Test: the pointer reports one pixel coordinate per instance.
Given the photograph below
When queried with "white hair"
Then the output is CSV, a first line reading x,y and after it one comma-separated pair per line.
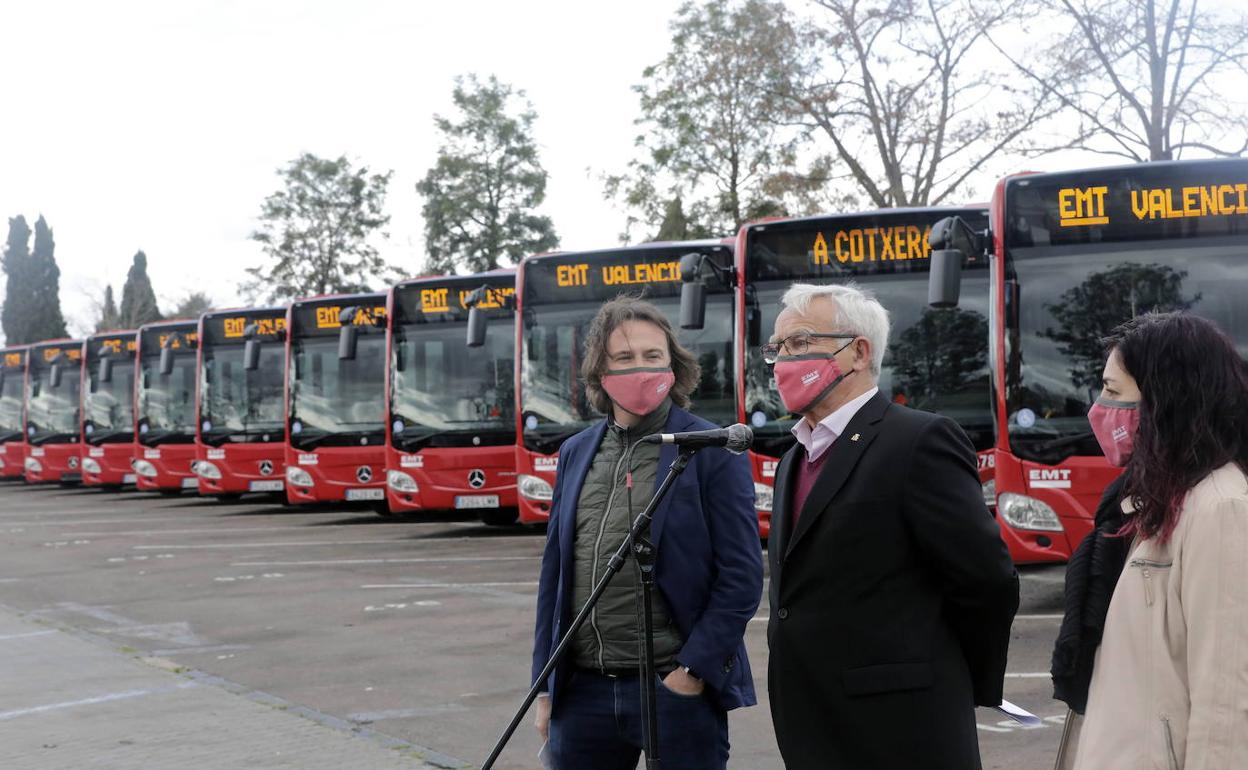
x,y
857,311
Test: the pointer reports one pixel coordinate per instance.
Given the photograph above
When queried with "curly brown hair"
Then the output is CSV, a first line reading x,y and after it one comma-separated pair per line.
x,y
629,307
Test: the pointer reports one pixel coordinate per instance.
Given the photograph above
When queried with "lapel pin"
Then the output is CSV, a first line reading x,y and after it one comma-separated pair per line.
x,y
854,437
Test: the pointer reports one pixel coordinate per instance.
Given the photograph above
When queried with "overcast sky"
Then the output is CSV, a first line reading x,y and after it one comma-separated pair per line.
x,y
158,125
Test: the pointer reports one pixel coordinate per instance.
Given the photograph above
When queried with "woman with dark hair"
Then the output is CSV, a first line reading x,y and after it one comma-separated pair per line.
x,y
1169,683
708,563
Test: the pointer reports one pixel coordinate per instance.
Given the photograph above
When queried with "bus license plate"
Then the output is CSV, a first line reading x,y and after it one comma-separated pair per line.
x,y
129,478
366,494
274,485
476,501
190,482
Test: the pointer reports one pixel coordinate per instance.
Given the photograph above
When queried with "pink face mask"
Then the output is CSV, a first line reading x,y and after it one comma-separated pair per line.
x,y
805,380
1114,423
640,390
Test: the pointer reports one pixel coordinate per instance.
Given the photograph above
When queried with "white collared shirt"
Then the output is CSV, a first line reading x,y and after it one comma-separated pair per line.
x,y
819,438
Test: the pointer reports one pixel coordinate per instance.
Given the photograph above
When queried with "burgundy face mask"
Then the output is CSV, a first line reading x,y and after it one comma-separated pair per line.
x,y
639,390
1114,423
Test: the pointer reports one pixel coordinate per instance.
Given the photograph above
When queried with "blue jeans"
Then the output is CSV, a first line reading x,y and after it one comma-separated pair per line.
x,y
597,725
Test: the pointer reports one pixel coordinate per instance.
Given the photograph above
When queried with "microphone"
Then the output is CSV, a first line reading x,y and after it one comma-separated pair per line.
x,y
735,438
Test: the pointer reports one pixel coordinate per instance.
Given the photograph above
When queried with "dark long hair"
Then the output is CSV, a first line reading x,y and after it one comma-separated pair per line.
x,y
629,307
1193,412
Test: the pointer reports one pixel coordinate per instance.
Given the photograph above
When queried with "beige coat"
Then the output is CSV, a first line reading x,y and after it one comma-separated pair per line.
x,y
1170,682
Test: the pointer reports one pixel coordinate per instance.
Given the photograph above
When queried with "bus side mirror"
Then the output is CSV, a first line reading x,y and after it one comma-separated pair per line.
x,y
477,325
166,361
106,369
54,377
251,355
944,282
348,340
692,292
1013,300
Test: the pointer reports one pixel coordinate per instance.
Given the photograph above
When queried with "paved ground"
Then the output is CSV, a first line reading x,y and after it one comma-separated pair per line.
x,y
414,632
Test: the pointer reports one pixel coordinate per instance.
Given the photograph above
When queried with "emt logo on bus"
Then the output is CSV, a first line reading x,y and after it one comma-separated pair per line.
x,y
13,359
874,244
73,354
184,339
438,300
327,316
1085,206
619,275
235,327
114,344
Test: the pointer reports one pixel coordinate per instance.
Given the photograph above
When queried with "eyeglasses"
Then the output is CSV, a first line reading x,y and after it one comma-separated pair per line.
x,y
798,344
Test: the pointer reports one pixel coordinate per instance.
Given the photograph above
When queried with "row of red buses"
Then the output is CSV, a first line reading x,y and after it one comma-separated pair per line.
x,y
1070,256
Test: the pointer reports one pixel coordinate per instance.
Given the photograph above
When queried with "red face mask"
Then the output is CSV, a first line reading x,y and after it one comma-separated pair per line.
x,y
806,380
1114,423
639,390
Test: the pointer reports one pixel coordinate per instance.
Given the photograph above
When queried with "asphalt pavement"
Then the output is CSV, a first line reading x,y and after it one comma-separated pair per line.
x,y
394,641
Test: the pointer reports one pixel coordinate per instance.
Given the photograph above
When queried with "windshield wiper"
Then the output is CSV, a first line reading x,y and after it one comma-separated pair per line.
x,y
47,438
320,438
1058,443
99,436
10,435
549,439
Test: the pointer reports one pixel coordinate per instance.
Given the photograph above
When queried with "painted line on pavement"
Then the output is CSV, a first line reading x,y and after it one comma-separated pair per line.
x,y
26,635
412,560
499,584
14,714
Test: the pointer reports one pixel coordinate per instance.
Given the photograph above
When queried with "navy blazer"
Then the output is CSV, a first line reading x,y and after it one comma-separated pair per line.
x,y
708,562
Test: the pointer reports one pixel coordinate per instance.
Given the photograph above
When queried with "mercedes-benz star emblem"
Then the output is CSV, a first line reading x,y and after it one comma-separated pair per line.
x,y
364,474
73,462
266,467
476,478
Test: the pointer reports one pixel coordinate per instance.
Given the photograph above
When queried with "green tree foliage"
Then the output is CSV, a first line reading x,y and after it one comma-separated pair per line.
x,y
317,231
19,297
46,319
941,354
1087,313
482,192
710,136
110,318
138,300
193,305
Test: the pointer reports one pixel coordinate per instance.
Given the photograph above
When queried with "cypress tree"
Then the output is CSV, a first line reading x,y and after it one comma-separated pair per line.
x,y
138,301
46,320
17,291
109,317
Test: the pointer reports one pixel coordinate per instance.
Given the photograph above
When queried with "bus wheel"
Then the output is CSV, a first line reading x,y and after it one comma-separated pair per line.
x,y
500,518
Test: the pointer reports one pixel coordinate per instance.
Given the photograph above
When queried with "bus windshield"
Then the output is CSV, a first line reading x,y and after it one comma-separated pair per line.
x,y
11,405
337,401
52,412
238,405
166,402
109,406
553,400
1072,297
446,394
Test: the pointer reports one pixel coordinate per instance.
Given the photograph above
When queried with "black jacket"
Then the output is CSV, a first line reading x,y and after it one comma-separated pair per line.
x,y
1091,576
891,602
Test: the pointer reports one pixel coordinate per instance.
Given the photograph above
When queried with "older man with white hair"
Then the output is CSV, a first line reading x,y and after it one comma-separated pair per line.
x,y
892,593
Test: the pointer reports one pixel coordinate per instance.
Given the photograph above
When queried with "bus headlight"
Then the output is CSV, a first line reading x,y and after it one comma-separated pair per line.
x,y
1023,512
207,470
1,464
401,482
534,488
299,477
145,469
90,466
33,465
763,494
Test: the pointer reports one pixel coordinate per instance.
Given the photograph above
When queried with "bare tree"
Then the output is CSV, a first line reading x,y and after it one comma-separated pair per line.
x,y
911,94
1148,79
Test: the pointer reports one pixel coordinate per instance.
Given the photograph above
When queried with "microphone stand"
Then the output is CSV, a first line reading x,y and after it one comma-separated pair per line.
x,y
637,542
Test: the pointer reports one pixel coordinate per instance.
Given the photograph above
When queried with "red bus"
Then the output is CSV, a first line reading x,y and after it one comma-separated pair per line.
x,y
335,399
557,296
450,420
936,360
108,409
240,433
164,446
13,412
53,400
1072,255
